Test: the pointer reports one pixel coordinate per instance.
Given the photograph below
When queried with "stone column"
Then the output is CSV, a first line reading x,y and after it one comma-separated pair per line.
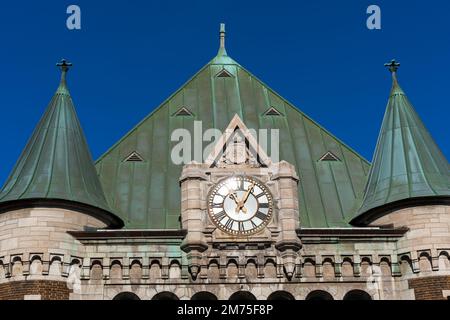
x,y
192,215
288,243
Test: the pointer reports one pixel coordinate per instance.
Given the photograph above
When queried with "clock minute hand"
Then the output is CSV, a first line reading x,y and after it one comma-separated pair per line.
x,y
244,199
250,188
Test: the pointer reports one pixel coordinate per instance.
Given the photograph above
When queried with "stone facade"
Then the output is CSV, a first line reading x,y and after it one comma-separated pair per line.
x,y
48,253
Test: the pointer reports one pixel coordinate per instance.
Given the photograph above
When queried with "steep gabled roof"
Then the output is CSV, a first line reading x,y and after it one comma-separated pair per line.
x,y
56,167
147,194
408,167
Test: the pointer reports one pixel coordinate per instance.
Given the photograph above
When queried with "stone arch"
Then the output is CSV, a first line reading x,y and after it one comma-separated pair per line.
x,y
2,270
17,267
55,266
444,260
213,269
96,272
155,269
385,267
36,265
242,296
135,271
270,269
319,295
366,267
126,296
165,295
232,269
357,295
425,262
115,271
251,270
204,296
347,267
309,268
405,265
280,295
328,269
175,269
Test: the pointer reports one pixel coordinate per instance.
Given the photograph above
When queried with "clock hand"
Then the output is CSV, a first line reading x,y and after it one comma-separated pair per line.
x,y
244,199
250,188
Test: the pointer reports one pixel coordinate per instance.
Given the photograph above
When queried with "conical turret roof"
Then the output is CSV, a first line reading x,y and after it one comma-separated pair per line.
x,y
408,167
56,168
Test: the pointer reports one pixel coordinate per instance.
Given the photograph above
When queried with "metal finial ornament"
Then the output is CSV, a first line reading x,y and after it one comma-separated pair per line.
x,y
64,65
392,66
222,50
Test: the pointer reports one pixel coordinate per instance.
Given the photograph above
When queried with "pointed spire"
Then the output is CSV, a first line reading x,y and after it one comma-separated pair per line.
x,y
56,167
408,167
222,57
222,50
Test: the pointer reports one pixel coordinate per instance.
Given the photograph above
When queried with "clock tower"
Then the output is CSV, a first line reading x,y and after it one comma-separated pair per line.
x,y
239,203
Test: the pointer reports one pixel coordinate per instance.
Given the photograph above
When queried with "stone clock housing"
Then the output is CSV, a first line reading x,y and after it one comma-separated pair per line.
x,y
239,202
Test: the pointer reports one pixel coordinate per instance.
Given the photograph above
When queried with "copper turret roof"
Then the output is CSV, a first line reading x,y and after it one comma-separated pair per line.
x,y
56,168
408,167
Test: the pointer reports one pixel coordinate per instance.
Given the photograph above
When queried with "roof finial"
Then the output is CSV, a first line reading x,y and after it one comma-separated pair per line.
x,y
222,51
392,66
64,65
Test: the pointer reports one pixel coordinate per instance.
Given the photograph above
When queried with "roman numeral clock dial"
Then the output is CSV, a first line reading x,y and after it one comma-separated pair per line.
x,y
240,205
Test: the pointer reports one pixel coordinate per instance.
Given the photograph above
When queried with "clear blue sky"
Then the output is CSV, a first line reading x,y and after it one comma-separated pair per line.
x,y
129,56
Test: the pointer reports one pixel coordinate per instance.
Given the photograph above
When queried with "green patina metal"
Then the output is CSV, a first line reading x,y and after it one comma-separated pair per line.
x,y
56,163
407,163
146,194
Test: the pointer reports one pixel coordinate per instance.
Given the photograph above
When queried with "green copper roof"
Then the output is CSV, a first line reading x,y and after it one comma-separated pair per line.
x,y
56,165
407,163
146,194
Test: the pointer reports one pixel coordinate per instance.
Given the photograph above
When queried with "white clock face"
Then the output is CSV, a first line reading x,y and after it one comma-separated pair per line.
x,y
240,205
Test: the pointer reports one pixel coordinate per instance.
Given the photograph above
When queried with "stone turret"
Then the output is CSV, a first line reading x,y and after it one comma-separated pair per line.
x,y
409,187
53,189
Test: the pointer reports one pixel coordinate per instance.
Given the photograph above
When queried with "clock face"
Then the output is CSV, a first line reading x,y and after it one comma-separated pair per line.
x,y
240,205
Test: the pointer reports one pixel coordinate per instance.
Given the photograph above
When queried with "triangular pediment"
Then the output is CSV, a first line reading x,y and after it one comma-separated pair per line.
x,y
237,147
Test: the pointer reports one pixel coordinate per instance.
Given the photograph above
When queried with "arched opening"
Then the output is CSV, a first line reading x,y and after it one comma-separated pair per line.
x,y
319,295
175,270
357,295
126,296
242,296
165,295
36,265
55,266
281,295
213,270
135,271
96,271
204,296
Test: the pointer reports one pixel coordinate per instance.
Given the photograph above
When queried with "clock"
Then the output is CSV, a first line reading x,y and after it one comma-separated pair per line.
x,y
240,205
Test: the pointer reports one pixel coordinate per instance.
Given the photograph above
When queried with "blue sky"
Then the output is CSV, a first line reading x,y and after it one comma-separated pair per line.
x,y
129,56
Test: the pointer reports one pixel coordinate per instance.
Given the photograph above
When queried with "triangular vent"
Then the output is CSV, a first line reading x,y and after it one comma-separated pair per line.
x,y
224,74
329,156
134,157
273,112
183,112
